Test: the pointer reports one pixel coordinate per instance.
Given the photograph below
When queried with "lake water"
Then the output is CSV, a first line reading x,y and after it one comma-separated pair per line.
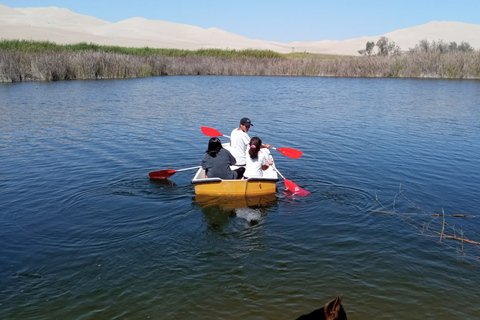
x,y
85,234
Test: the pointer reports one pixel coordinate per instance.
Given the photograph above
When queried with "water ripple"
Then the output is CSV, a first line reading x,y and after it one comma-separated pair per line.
x,y
86,234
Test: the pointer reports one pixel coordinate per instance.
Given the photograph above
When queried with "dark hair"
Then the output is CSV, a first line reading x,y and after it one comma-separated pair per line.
x,y
253,152
214,147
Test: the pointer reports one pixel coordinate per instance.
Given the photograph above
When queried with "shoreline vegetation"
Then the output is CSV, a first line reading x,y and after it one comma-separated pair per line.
x,y
23,60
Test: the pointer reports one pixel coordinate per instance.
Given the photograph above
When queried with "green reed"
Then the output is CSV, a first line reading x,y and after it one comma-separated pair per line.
x,y
47,46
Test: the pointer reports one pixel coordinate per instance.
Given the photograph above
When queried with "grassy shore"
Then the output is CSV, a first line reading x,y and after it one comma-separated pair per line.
x,y
46,61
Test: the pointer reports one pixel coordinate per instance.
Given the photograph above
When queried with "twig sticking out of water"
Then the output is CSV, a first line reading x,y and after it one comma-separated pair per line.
x,y
414,219
455,215
400,191
459,239
443,225
430,214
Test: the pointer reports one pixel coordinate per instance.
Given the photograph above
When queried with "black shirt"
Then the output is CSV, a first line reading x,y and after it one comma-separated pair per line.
x,y
219,167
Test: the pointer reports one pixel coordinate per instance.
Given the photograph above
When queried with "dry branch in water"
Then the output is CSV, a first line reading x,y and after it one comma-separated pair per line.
x,y
459,239
431,214
428,223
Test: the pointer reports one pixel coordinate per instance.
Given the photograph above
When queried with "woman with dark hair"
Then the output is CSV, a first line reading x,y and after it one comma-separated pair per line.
x,y
257,161
217,161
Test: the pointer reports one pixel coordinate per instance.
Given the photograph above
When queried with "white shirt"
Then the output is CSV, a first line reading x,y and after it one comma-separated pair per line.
x,y
254,166
239,141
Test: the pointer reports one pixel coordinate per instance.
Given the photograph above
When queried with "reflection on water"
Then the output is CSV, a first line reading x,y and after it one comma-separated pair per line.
x,y
165,181
218,210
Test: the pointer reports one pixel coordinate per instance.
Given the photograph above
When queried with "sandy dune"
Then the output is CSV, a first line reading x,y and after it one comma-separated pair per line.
x,y
63,26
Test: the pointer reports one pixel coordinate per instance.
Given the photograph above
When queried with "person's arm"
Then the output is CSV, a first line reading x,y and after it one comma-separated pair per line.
x,y
246,139
233,135
204,162
231,158
266,164
266,146
204,165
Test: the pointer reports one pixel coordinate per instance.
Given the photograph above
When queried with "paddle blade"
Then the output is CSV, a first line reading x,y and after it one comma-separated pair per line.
x,y
292,187
162,174
211,132
291,153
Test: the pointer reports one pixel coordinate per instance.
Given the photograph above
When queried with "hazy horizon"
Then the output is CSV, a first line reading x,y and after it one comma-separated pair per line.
x,y
279,21
65,26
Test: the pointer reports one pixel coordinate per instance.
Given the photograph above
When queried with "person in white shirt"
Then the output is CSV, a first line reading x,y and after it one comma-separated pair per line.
x,y
256,160
239,141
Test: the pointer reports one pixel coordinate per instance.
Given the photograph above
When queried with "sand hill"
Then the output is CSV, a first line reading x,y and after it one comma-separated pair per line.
x,y
63,26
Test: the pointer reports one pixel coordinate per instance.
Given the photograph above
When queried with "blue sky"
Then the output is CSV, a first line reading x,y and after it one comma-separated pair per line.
x,y
278,20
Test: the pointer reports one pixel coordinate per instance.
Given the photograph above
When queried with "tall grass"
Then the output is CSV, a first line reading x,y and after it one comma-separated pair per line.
x,y
47,61
47,46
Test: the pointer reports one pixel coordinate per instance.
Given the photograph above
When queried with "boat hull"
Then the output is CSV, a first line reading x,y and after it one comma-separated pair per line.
x,y
235,202
250,187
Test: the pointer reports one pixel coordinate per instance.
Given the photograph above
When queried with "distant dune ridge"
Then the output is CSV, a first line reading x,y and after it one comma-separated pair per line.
x,y
64,26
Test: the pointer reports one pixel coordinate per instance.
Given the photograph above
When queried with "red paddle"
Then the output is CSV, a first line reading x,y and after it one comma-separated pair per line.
x,y
292,187
163,174
288,152
212,132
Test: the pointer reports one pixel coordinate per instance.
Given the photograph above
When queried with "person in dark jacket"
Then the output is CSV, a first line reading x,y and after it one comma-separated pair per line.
x,y
217,161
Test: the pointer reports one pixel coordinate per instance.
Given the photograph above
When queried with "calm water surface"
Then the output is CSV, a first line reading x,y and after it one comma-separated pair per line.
x,y
86,235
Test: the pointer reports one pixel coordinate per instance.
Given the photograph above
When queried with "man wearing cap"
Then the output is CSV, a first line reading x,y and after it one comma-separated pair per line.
x,y
239,141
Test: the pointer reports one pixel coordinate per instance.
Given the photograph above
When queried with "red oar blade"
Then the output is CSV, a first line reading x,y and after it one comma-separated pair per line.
x,y
211,132
162,174
292,187
291,153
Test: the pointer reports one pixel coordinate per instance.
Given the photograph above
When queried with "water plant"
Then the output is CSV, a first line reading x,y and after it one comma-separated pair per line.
x,y
48,46
23,60
443,225
427,223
